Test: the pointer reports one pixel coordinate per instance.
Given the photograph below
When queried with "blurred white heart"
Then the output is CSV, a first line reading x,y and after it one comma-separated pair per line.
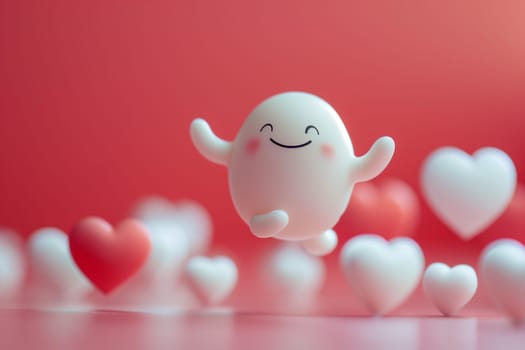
x,y
382,274
182,217
169,249
212,279
450,289
12,264
466,192
293,274
502,271
53,271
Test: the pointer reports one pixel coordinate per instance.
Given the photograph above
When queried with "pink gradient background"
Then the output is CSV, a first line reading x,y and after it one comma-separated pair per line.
x,y
96,98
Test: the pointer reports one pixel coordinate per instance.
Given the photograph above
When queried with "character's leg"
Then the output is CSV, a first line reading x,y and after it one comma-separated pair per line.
x,y
323,244
269,224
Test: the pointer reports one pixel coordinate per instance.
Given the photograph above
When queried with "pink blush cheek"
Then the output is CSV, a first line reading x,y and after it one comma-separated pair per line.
x,y
327,151
253,145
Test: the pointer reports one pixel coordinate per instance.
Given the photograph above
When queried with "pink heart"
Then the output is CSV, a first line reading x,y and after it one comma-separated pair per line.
x,y
389,208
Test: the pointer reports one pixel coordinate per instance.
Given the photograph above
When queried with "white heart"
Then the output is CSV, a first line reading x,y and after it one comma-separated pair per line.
x,y
52,267
468,193
382,274
502,270
12,264
449,289
184,216
293,273
169,249
212,279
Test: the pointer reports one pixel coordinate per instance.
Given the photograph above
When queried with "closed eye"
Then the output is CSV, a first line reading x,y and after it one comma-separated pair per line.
x,y
311,127
266,125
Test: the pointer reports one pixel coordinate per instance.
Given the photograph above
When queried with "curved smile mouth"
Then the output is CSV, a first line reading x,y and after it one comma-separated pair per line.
x,y
291,146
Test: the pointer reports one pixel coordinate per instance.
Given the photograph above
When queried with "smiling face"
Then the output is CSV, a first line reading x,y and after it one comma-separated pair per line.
x,y
294,120
308,128
292,153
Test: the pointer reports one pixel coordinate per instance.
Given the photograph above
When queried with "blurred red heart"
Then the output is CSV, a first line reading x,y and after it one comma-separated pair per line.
x,y
511,224
107,256
389,208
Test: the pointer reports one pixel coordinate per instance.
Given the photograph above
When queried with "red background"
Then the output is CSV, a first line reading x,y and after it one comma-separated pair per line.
x,y
96,97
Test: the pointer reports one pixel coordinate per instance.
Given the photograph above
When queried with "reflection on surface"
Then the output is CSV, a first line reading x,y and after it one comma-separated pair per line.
x,y
381,333
437,333
501,334
224,329
29,329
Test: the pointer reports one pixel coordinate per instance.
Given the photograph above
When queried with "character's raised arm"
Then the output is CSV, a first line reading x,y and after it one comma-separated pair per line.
x,y
213,148
371,164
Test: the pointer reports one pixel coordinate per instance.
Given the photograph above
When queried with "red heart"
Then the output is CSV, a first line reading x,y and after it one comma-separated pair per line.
x,y
390,208
109,257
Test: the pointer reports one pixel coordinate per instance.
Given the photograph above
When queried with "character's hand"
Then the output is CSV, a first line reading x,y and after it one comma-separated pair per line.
x,y
371,164
208,144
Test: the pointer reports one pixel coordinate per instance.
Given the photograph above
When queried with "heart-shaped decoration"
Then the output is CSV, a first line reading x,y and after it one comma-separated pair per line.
x,y
12,264
293,275
502,271
53,272
153,284
381,273
212,279
449,289
390,208
291,279
182,217
511,224
169,249
468,193
109,257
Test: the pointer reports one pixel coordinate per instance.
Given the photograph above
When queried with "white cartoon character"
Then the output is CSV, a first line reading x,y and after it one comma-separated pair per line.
x,y
292,168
